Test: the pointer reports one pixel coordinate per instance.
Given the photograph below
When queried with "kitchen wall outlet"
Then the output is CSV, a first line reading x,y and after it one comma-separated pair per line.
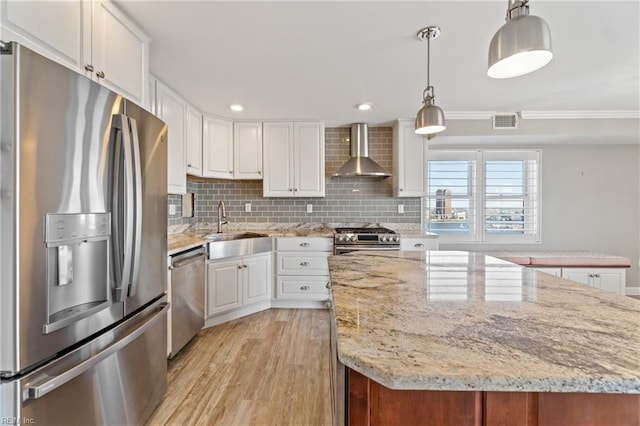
x,y
309,208
247,207
172,209
401,208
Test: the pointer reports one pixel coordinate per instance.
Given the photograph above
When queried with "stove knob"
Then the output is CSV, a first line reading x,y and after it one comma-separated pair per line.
x,y
396,238
340,238
384,239
354,238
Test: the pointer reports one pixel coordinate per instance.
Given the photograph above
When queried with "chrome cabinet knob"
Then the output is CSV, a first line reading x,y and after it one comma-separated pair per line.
x,y
304,244
304,263
419,245
304,287
100,74
328,285
88,67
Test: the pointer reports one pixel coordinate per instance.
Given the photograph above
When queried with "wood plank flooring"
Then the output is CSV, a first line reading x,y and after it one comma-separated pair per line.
x,y
270,368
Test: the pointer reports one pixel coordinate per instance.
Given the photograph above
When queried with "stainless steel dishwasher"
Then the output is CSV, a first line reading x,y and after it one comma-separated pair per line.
x,y
187,296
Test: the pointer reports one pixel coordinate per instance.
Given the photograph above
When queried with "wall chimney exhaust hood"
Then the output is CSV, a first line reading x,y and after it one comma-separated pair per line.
x,y
360,164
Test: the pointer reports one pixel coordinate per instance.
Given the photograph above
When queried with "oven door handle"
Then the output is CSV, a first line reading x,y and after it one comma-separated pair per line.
x,y
359,248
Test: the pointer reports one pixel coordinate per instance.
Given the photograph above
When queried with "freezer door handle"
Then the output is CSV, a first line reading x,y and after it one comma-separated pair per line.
x,y
40,388
137,206
123,227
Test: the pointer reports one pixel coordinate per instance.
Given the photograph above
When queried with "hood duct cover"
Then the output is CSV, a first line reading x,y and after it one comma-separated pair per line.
x,y
360,164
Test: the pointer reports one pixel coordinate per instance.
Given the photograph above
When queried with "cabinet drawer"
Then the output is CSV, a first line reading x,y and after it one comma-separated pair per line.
x,y
304,244
418,243
301,287
303,264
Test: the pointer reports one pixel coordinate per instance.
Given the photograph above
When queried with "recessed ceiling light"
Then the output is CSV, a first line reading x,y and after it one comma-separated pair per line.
x,y
365,106
236,107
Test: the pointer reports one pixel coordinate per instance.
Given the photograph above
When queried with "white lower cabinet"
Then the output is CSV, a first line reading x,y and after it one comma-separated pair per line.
x,y
237,282
610,279
302,271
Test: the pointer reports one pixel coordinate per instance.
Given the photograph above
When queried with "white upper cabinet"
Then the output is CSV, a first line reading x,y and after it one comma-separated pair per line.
x,y
293,159
194,141
409,161
217,148
247,150
171,108
91,37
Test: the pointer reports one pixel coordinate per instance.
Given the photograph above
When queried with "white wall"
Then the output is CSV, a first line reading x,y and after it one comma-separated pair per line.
x,y
590,201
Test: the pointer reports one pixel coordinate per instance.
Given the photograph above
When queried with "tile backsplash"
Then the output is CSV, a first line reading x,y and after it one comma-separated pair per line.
x,y
351,199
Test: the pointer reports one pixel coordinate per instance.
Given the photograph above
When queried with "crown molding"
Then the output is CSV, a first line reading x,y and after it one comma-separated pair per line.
x,y
572,115
545,115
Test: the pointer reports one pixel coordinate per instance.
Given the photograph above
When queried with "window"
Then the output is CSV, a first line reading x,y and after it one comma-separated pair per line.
x,y
484,196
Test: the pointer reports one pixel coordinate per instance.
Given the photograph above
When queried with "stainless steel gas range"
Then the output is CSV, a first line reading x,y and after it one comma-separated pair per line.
x,y
346,240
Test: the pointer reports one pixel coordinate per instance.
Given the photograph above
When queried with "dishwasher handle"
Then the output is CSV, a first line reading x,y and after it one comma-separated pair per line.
x,y
188,257
188,260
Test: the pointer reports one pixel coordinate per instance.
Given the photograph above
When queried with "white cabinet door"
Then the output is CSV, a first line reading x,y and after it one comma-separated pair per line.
x,y
194,141
278,160
579,275
224,291
610,279
308,159
409,161
257,279
294,159
217,148
57,30
172,109
119,52
91,37
247,150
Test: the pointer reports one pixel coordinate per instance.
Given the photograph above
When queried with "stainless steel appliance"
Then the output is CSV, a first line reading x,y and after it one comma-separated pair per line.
x,y
83,219
187,297
360,164
346,240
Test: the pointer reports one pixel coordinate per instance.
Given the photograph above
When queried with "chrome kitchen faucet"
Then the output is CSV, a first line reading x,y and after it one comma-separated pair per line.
x,y
222,214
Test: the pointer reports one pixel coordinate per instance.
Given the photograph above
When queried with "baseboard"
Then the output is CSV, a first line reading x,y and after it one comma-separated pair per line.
x,y
299,304
632,291
263,306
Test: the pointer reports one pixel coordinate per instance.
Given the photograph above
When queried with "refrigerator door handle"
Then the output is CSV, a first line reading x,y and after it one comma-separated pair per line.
x,y
137,207
123,249
39,389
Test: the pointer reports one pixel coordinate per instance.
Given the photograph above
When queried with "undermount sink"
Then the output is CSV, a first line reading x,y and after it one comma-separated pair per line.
x,y
231,237
223,246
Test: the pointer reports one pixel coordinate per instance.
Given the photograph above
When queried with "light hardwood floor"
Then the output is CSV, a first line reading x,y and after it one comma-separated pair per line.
x,y
270,368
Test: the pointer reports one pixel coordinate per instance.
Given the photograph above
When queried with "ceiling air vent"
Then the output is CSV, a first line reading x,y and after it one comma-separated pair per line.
x,y
505,121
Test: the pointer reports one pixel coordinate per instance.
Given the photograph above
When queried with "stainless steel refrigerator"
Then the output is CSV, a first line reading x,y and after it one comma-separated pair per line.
x,y
83,217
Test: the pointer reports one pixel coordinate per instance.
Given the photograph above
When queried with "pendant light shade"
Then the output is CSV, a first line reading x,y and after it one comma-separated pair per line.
x,y
521,45
430,118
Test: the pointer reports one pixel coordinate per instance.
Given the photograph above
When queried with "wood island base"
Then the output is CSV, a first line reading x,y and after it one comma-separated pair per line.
x,y
369,403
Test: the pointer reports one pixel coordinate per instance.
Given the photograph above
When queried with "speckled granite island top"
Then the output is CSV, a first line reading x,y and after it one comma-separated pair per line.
x,y
445,320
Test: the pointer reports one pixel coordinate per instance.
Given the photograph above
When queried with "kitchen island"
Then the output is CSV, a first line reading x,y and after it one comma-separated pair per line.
x,y
462,338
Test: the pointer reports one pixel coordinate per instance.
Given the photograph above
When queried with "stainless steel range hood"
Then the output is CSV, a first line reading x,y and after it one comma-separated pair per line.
x,y
360,164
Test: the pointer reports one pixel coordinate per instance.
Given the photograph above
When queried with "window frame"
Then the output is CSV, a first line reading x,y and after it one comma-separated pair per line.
x,y
531,194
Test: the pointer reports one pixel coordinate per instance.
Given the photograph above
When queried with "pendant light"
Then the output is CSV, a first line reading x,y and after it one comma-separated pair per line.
x,y
521,45
430,118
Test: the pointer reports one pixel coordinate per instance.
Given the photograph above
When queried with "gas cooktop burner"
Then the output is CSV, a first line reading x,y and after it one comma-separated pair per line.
x,y
364,231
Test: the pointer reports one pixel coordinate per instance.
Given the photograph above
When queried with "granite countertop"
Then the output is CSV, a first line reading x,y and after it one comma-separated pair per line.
x,y
446,320
181,241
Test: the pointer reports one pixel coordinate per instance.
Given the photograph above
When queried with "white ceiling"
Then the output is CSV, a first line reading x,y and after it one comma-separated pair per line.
x,y
317,60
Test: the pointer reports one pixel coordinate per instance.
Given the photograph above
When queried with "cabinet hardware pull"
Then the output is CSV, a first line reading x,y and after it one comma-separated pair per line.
x,y
329,304
419,245
89,67
290,189
189,165
304,244
259,172
596,275
239,266
401,189
328,285
304,263
100,74
230,171
304,287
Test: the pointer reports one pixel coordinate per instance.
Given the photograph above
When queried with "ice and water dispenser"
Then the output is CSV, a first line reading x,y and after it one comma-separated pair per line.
x,y
77,267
